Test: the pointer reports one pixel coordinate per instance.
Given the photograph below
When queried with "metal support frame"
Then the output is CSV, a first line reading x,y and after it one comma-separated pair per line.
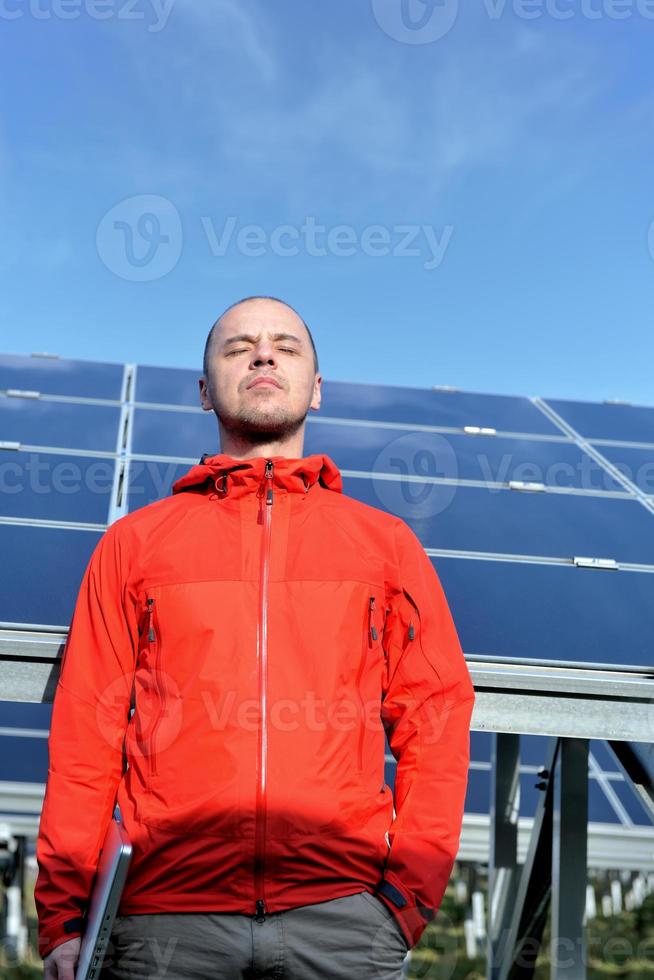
x,y
638,760
513,955
503,841
569,860
554,872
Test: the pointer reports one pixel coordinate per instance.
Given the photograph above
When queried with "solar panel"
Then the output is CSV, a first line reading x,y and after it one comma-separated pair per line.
x,y
39,585
428,407
165,433
517,611
55,486
631,803
66,425
167,386
150,480
58,376
470,518
636,464
449,455
599,420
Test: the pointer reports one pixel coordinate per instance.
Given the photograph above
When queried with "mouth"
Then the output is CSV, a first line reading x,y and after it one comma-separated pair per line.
x,y
260,382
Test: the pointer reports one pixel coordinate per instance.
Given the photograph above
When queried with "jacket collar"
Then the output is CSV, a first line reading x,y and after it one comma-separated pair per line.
x,y
235,477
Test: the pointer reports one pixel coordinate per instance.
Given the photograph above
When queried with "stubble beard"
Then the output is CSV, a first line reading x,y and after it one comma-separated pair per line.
x,y
260,424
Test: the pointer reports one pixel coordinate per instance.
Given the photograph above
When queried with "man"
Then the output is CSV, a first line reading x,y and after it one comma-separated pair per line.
x,y
268,630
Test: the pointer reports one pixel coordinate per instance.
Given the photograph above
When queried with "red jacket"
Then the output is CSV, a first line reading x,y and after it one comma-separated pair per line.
x,y
269,631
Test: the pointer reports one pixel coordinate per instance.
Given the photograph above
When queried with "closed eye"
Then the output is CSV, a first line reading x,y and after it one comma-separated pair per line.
x,y
243,350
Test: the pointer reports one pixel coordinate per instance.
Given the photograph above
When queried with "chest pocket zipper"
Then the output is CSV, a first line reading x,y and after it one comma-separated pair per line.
x,y
370,638
155,644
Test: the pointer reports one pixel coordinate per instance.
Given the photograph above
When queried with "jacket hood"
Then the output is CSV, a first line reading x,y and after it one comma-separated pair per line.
x,y
234,477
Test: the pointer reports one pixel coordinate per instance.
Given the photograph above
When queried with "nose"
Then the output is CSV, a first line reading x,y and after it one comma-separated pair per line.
x,y
263,353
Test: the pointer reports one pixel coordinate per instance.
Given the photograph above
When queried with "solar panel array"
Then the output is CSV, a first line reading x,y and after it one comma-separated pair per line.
x,y
538,514
515,500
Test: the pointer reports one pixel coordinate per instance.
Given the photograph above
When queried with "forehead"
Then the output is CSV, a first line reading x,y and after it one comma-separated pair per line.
x,y
264,318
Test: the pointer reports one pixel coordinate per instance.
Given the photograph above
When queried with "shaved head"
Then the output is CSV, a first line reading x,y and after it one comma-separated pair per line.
x,y
211,339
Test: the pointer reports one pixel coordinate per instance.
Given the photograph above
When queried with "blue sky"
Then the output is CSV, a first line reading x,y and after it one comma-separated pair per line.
x,y
505,145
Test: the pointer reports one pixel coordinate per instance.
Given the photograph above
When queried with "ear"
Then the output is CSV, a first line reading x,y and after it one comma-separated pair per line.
x,y
205,401
315,401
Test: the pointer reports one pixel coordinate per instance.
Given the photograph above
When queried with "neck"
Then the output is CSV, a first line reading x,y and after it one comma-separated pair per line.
x,y
240,447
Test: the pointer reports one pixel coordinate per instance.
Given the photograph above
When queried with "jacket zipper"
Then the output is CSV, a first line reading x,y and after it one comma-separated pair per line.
x,y
152,638
262,652
412,631
370,637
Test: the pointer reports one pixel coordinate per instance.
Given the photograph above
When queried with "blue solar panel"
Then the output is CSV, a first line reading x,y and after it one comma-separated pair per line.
x,y
24,759
517,610
42,558
60,425
465,457
163,433
444,408
55,487
167,386
606,758
636,464
478,791
56,376
632,803
595,420
480,746
599,806
151,480
514,522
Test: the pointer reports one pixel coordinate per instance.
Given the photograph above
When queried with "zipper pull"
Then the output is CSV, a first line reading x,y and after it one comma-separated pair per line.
x,y
261,913
412,632
151,635
269,476
371,606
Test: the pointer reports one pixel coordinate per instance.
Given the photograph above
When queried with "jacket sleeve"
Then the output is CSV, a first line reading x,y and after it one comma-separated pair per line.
x,y
89,718
427,705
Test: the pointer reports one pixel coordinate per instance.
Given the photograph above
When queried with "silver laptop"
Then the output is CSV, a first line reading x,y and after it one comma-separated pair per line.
x,y
107,888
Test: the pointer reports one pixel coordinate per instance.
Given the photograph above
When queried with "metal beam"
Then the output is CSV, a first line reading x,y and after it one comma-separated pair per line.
x,y
569,855
518,945
503,842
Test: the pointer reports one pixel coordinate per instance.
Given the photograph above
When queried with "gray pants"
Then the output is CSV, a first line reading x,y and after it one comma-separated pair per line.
x,y
350,938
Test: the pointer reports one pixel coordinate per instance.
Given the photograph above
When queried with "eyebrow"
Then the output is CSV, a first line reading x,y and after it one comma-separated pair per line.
x,y
250,339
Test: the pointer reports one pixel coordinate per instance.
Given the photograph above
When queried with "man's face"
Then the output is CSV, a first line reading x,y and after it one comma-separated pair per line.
x,y
255,339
